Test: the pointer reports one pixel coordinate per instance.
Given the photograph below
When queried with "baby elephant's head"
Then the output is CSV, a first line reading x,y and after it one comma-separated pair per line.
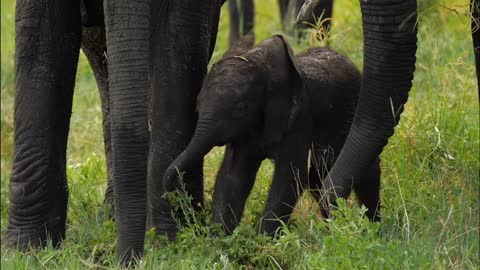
x,y
250,95
230,103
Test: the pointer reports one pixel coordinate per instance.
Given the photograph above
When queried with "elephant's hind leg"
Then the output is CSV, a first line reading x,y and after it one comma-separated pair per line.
x,y
95,48
47,47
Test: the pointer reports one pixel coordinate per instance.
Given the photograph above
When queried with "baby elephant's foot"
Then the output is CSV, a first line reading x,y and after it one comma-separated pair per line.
x,y
270,226
162,221
228,226
164,226
167,229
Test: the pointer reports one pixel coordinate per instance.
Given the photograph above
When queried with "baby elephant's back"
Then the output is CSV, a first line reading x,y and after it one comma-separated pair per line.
x,y
333,84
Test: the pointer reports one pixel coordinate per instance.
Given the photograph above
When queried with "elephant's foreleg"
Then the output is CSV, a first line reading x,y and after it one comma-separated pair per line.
x,y
181,44
95,48
248,16
245,17
289,181
46,55
233,184
234,33
324,154
321,159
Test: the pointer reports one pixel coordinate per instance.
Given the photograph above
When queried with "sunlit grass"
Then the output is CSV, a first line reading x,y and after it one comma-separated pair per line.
x,y
430,180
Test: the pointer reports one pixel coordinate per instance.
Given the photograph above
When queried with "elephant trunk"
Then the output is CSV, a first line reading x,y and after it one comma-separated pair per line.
x,y
389,62
203,140
475,20
127,34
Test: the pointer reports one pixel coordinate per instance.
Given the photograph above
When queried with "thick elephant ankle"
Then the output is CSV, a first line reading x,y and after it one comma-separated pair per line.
x,y
38,218
25,237
48,226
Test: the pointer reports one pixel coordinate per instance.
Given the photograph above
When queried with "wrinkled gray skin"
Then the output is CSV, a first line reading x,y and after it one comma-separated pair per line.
x,y
267,103
141,52
44,79
390,38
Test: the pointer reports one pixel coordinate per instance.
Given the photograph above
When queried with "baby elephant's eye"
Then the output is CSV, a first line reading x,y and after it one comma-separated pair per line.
x,y
239,109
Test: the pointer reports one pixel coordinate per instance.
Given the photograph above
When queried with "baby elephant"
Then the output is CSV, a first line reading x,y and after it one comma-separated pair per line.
x,y
264,102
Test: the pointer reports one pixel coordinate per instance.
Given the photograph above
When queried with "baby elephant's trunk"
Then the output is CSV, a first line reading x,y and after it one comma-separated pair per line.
x,y
201,143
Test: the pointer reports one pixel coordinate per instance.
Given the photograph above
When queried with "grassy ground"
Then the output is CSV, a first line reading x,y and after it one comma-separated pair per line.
x,y
430,178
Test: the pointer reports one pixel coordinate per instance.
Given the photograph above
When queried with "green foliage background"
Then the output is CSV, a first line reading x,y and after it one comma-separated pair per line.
x,y
430,170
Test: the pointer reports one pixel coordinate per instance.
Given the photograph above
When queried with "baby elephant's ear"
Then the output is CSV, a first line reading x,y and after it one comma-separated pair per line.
x,y
285,93
241,46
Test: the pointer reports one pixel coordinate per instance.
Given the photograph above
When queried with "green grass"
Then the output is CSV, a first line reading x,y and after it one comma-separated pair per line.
x,y
430,171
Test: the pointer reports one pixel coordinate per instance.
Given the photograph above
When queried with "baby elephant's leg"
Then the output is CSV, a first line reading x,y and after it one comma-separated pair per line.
x,y
368,191
289,181
321,161
233,184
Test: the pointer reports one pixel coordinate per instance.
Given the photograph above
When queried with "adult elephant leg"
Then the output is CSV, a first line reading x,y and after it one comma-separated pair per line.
x,y
248,16
475,8
234,34
95,48
389,53
127,34
246,19
181,47
46,55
